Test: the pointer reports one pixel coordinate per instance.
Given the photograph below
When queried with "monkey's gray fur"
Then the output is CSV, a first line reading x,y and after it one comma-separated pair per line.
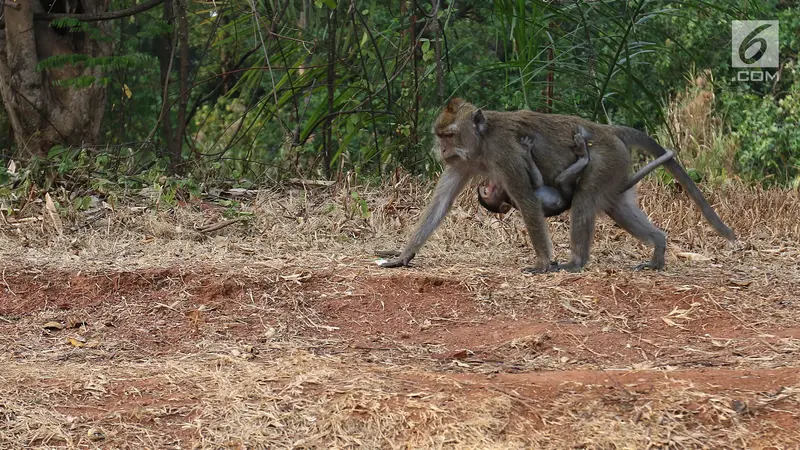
x,y
476,142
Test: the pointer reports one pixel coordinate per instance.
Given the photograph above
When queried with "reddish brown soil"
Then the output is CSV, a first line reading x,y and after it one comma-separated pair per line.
x,y
543,355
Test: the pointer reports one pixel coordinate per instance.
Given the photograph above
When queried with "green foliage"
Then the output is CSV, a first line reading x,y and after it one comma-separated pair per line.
x,y
260,106
76,26
361,205
766,127
107,63
100,173
5,177
172,190
154,28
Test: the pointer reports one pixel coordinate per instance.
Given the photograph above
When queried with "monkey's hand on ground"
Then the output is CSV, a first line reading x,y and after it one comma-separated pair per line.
x,y
387,253
401,260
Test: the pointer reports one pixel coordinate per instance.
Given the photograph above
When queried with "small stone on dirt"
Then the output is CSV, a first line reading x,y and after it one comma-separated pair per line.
x,y
95,434
739,406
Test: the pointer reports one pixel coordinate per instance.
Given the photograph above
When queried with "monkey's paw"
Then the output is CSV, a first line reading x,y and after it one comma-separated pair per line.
x,y
569,267
648,266
527,142
400,261
553,267
396,262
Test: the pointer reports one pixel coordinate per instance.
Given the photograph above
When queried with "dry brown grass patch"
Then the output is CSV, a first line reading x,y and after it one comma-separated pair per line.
x,y
279,331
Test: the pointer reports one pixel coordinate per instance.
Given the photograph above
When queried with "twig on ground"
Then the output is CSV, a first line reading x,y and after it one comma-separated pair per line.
x,y
218,226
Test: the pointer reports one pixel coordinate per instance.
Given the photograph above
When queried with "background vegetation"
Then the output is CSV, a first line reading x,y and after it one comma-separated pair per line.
x,y
250,92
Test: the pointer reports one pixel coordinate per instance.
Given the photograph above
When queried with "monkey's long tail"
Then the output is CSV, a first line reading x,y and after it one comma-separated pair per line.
x,y
635,138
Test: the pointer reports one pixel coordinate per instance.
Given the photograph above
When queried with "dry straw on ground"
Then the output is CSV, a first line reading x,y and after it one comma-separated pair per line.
x,y
279,331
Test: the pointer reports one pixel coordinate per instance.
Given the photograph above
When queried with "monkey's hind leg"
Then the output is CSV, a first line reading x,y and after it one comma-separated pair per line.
x,y
627,215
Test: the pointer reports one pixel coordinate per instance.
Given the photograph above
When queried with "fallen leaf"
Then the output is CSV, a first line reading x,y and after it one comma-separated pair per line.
x,y
742,283
75,342
195,318
693,256
53,326
53,212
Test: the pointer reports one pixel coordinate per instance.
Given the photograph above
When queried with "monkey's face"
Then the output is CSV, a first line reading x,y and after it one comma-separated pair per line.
x,y
449,143
455,133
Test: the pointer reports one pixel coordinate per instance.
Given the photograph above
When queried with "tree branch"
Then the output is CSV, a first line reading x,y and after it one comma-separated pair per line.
x,y
111,15
42,17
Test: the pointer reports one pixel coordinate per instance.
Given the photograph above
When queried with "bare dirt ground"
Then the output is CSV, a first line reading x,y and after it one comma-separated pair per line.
x,y
134,330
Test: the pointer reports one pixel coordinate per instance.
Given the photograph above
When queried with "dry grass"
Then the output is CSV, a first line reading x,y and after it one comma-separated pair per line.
x,y
697,132
281,332
219,401
318,225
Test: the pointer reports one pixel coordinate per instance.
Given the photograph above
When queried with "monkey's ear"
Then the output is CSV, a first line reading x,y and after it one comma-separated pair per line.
x,y
479,120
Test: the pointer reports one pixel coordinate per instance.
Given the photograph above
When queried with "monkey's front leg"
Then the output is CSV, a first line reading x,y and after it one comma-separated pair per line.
x,y
450,184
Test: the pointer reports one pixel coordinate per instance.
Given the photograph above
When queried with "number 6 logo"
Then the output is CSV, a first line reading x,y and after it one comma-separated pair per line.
x,y
754,43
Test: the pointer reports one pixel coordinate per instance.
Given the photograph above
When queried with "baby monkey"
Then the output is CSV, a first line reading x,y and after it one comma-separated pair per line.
x,y
558,199
554,200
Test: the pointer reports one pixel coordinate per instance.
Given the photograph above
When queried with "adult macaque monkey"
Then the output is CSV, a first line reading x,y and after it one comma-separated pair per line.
x,y
473,141
466,146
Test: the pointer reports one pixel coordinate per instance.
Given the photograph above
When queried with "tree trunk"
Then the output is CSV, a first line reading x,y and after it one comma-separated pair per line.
x,y
165,50
6,134
328,141
42,114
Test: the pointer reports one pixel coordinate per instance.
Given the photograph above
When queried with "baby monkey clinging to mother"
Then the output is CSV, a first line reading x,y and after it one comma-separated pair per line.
x,y
555,200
